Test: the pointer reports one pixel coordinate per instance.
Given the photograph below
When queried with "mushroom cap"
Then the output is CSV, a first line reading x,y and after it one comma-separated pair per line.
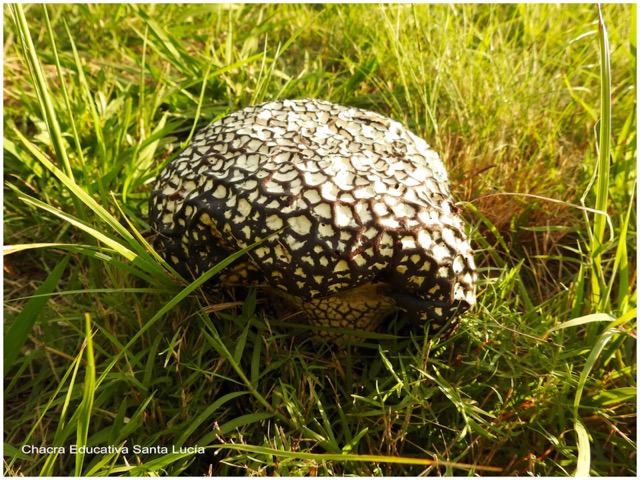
x,y
354,213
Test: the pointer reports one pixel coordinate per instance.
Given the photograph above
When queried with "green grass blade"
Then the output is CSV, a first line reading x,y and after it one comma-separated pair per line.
x,y
594,353
103,238
593,317
584,450
92,204
134,250
71,371
166,43
134,422
216,342
40,85
146,247
242,420
102,163
16,334
65,94
603,168
64,430
198,107
584,457
9,249
85,410
345,457
255,364
197,422
620,271
188,290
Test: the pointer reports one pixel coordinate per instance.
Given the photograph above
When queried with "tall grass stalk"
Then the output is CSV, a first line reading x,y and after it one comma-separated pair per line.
x,y
603,168
40,83
85,409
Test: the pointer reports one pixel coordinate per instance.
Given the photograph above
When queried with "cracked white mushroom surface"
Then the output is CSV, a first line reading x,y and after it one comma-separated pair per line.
x,y
363,218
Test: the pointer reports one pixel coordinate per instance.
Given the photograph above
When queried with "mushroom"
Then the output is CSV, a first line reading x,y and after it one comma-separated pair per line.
x,y
353,210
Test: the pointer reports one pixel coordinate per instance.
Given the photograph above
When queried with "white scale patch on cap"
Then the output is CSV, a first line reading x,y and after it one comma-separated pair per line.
x,y
167,218
449,237
274,222
359,260
312,196
314,179
386,245
274,187
168,190
323,211
341,266
380,188
458,264
248,163
380,209
389,222
408,243
364,213
301,225
363,193
343,216
440,253
246,230
329,191
219,192
325,230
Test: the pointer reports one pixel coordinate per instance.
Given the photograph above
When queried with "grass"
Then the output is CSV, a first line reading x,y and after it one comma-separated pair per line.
x,y
532,107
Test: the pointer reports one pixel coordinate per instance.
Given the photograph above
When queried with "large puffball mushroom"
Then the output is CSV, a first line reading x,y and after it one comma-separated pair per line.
x,y
354,211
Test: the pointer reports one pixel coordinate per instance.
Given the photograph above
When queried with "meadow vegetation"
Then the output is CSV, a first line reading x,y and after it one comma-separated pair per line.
x,y
532,108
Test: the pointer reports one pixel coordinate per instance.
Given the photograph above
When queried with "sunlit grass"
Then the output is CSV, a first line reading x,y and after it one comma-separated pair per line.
x,y
104,345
